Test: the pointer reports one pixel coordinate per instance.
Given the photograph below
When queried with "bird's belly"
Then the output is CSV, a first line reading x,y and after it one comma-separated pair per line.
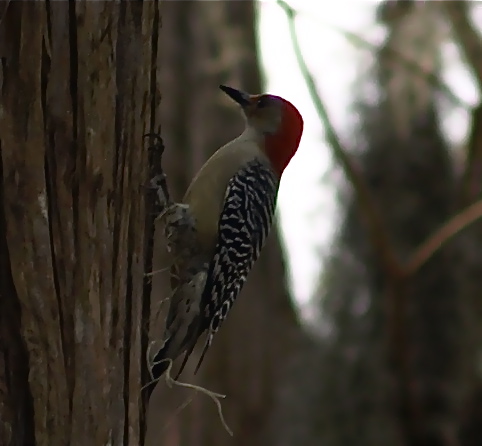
x,y
207,209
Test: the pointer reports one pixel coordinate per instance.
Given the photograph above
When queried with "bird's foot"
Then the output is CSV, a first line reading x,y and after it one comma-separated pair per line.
x,y
158,182
156,141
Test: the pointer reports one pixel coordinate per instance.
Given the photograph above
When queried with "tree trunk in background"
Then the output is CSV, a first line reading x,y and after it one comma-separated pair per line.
x,y
392,370
78,90
206,44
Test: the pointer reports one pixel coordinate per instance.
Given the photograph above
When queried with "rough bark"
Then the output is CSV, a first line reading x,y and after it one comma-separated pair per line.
x,y
206,44
78,90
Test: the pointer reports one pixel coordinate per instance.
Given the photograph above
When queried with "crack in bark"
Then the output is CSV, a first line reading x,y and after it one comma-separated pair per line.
x,y
74,214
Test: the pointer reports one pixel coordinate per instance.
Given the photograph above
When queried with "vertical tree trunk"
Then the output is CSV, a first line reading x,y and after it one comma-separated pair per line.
x,y
78,90
466,35
391,369
206,44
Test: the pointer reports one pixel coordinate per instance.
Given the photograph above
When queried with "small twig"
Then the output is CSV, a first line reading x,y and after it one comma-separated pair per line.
x,y
467,35
431,77
359,41
470,43
213,395
157,312
376,228
471,183
441,236
158,271
178,410
165,269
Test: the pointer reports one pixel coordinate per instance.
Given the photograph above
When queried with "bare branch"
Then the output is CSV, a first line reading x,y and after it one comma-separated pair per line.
x,y
360,42
469,38
216,397
470,43
412,65
375,226
471,178
428,248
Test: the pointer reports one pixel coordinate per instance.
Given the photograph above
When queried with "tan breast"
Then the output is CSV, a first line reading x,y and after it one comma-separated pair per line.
x,y
205,195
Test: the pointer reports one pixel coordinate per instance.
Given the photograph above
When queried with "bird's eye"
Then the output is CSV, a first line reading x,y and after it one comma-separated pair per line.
x,y
262,102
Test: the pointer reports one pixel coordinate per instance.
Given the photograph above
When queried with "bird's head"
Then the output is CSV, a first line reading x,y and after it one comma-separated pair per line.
x,y
275,120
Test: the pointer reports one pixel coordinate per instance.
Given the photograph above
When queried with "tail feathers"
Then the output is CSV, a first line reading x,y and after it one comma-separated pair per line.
x,y
162,359
207,344
161,362
173,347
184,361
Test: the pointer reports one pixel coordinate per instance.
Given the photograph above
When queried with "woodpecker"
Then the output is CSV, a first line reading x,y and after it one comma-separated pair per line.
x,y
229,207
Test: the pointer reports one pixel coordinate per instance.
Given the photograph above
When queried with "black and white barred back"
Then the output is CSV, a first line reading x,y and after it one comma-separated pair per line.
x,y
244,225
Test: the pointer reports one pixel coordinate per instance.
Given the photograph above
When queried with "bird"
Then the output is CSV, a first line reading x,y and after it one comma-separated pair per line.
x,y
228,212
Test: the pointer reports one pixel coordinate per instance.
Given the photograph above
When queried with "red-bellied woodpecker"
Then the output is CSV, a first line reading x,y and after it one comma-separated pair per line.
x,y
217,232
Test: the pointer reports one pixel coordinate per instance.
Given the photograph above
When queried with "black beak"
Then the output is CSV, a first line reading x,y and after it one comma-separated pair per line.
x,y
240,97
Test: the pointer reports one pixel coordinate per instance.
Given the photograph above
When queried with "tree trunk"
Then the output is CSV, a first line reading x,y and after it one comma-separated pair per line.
x,y
391,371
78,90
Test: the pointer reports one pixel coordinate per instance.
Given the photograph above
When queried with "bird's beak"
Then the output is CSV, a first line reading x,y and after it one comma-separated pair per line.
x,y
242,98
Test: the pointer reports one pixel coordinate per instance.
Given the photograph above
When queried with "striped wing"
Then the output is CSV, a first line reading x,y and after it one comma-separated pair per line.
x,y
244,225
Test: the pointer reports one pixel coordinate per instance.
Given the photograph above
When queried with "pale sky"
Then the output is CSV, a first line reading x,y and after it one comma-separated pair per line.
x,y
307,205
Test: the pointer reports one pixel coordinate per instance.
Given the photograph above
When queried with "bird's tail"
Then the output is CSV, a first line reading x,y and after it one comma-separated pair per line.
x,y
174,345
161,360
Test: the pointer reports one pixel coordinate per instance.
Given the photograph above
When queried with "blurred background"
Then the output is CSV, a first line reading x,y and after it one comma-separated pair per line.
x,y
352,329
361,322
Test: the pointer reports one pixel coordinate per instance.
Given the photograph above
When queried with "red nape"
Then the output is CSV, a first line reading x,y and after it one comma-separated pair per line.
x,y
282,145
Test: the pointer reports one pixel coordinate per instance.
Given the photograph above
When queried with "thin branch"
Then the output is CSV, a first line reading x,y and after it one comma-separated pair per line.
x,y
431,77
468,37
428,248
470,43
216,397
376,229
471,178
360,42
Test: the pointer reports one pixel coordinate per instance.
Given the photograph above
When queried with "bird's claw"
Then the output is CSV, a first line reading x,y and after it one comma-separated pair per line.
x,y
156,142
158,182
